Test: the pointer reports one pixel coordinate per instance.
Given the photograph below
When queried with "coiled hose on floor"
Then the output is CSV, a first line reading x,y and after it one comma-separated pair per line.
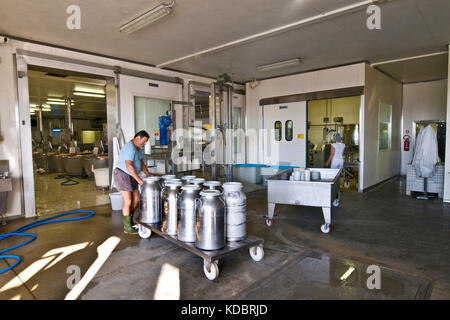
x,y
69,179
18,232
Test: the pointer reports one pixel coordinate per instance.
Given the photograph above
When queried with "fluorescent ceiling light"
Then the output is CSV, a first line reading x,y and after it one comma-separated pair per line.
x,y
347,273
56,99
278,65
58,103
145,19
88,94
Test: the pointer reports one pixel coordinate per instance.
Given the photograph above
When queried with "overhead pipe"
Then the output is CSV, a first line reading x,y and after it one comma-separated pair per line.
x,y
212,117
409,58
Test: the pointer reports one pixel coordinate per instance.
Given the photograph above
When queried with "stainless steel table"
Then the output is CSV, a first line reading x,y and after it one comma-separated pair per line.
x,y
322,193
210,258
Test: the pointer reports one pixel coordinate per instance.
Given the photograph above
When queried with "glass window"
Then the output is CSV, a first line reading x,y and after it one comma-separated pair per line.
x,y
278,131
146,115
385,125
288,127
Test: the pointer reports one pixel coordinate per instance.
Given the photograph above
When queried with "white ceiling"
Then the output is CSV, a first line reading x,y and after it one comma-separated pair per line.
x,y
418,70
409,28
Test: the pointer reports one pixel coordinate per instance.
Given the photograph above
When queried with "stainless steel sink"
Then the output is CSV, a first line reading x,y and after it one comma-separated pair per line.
x,y
5,185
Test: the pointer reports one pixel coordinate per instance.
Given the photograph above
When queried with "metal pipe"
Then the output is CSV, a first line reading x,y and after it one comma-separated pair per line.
x,y
229,135
173,141
41,122
212,117
69,117
409,58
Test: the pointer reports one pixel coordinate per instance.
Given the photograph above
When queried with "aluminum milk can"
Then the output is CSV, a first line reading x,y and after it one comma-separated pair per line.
x,y
198,181
186,218
165,178
236,206
210,221
212,185
169,205
150,204
187,179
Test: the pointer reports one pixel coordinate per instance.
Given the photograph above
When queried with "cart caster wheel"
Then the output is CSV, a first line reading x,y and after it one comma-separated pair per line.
x,y
257,253
144,232
213,272
269,222
325,228
336,203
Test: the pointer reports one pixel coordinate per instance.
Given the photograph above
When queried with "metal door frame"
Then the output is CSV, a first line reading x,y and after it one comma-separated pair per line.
x,y
24,59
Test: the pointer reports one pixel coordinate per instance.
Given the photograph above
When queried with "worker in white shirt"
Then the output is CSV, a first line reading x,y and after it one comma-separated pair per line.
x,y
337,151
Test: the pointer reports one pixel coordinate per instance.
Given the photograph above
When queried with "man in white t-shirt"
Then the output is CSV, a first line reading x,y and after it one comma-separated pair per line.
x,y
337,153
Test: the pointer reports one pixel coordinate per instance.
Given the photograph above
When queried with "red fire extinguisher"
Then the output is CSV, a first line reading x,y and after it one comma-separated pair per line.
x,y
406,142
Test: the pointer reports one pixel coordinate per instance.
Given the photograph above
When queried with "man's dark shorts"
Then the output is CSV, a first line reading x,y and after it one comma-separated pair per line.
x,y
124,182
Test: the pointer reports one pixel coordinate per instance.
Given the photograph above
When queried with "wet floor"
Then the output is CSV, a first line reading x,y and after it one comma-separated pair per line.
x,y
57,193
314,276
377,231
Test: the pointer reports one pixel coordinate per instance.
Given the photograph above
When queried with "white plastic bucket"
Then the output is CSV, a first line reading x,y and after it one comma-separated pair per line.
x,y
101,177
116,201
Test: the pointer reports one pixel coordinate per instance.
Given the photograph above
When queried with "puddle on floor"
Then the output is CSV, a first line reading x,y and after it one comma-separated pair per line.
x,y
317,276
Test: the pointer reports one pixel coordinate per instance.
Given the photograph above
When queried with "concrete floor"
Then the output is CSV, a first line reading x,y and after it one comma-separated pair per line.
x,y
407,238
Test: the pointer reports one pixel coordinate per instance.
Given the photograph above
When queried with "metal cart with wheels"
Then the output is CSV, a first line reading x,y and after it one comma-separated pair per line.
x,y
210,258
322,193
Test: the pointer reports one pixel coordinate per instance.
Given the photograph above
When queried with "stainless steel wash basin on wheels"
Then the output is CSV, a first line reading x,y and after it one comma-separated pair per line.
x,y
323,193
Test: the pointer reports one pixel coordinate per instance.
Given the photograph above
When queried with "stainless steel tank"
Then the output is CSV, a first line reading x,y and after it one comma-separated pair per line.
x,y
236,206
51,160
351,134
187,216
40,160
55,162
170,208
88,161
210,228
150,204
73,165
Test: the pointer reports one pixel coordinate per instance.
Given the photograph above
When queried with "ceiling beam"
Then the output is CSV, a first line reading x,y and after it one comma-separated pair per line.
x,y
409,58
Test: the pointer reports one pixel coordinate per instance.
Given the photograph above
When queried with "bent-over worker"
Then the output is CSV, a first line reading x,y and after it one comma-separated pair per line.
x,y
127,179
337,151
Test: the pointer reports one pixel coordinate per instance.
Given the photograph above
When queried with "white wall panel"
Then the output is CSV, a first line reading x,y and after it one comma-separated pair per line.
x,y
131,87
328,79
380,165
447,145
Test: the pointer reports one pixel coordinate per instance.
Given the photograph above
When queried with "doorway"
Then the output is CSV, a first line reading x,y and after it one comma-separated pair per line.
x,y
326,117
285,134
69,139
